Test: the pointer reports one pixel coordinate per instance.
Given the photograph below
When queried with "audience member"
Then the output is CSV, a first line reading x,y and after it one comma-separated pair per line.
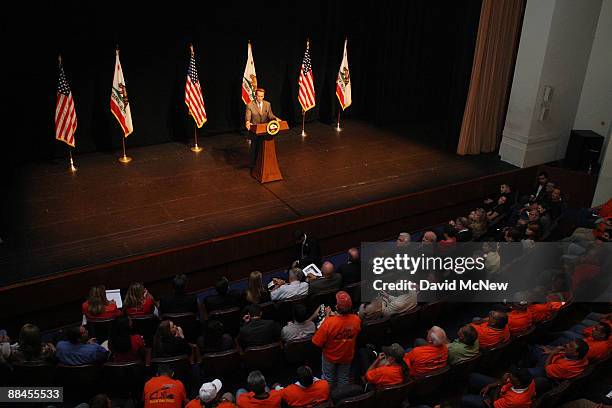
x,y
385,305
330,281
123,344
169,341
99,401
493,330
516,389
210,396
256,331
403,239
163,390
539,191
465,345
337,336
215,339
307,250
79,349
428,355
138,301
308,391
478,222
256,292
429,237
223,299
258,395
351,270
389,367
30,347
180,301
519,318
463,232
287,290
561,362
98,306
301,327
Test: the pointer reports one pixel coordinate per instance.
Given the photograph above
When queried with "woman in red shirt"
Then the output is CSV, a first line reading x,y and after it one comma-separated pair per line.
x,y
98,306
138,301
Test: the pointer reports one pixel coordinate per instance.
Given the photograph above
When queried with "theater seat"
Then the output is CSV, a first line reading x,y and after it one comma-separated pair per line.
x,y
146,327
100,328
366,400
180,365
393,395
229,317
32,373
223,364
403,324
374,332
300,352
124,380
265,358
80,382
430,383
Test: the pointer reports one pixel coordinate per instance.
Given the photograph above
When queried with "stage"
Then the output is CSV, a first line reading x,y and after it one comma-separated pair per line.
x,y
171,210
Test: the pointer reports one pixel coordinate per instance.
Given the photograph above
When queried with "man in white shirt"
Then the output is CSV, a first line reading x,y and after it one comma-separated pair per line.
x,y
286,290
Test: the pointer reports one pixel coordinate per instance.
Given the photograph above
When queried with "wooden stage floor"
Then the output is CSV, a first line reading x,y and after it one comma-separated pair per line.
x,y
169,196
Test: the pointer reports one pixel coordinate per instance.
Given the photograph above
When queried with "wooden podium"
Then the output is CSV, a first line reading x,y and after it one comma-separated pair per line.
x,y
266,167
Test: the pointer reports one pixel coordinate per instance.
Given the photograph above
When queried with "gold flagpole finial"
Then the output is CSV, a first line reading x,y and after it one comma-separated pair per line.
x,y
59,58
191,48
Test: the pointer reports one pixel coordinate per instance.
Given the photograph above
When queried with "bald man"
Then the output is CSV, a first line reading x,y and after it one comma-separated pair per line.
x,y
328,282
351,270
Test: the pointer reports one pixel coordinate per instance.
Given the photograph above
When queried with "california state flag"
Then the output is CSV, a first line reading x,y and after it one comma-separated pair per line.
x,y
343,82
249,79
119,103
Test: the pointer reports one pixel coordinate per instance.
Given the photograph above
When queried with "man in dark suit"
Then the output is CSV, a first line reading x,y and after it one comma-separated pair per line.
x,y
307,250
351,270
257,331
328,282
224,299
258,111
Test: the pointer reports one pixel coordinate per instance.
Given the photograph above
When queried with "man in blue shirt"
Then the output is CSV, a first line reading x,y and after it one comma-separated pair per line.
x,y
79,349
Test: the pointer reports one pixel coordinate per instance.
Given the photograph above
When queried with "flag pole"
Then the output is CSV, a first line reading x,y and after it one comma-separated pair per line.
x,y
72,166
303,134
196,148
124,159
338,128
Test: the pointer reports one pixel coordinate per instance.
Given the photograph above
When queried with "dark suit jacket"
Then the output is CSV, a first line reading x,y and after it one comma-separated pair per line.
x,y
351,272
255,116
258,333
220,302
334,282
179,303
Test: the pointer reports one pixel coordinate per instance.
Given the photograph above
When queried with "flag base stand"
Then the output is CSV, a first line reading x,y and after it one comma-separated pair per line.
x,y
337,128
125,159
303,134
71,167
196,149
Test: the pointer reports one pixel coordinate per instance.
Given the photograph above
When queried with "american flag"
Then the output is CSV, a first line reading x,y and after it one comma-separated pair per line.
x,y
65,114
306,95
193,93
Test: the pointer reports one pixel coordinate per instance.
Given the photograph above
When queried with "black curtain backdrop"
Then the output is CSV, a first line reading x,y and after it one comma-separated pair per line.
x,y
410,62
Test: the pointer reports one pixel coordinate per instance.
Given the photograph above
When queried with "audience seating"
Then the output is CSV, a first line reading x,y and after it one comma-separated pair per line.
x,y
430,384
299,352
32,373
401,325
285,308
493,357
551,398
460,372
354,290
100,328
80,382
268,311
229,317
264,358
146,327
374,332
393,395
327,298
223,364
366,400
124,380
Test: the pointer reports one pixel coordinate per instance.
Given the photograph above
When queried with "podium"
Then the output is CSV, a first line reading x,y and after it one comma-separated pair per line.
x,y
266,167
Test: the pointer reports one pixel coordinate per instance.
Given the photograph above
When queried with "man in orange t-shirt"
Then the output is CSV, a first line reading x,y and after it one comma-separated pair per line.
x,y
307,391
519,318
389,368
337,336
540,312
163,391
430,356
257,396
599,341
516,389
492,331
562,362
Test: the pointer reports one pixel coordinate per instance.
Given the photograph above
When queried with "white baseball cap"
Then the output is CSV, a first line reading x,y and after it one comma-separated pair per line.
x,y
208,391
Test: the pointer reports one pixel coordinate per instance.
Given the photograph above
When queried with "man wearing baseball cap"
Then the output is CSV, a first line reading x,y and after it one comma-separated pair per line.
x,y
337,336
210,397
389,368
